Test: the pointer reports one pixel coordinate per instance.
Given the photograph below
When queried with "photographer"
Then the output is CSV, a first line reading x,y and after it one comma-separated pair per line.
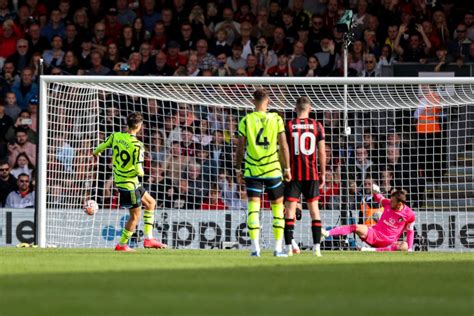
x,y
222,68
24,122
21,145
265,57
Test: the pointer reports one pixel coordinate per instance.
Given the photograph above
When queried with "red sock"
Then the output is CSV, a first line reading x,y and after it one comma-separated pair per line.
x,y
343,230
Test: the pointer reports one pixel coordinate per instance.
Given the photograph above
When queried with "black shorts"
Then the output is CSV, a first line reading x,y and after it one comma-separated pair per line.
x,y
131,199
274,187
309,188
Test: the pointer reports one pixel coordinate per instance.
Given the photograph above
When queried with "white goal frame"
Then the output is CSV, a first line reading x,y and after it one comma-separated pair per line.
x,y
255,81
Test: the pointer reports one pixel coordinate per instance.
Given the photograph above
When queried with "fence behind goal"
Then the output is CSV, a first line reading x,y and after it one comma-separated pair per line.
x,y
410,133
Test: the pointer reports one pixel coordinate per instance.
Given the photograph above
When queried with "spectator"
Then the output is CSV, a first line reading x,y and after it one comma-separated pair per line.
x,y
192,66
6,122
33,110
8,182
222,68
5,12
432,36
95,11
71,41
127,44
65,154
23,122
198,22
266,58
24,197
148,61
332,15
70,64
65,10
157,149
187,40
262,28
55,26
460,45
470,57
282,69
228,188
112,56
205,59
299,61
197,189
370,69
236,61
149,15
214,201
363,165
357,57
301,16
232,27
84,58
386,57
10,75
113,29
21,145
280,44
97,68
22,56
241,72
54,56
174,59
361,18
140,34
387,181
221,153
22,165
203,136
124,13
161,68
26,88
469,22
329,194
392,35
252,69
327,50
169,22
81,21
274,16
316,34
440,26
220,45
11,107
416,50
9,35
176,162
99,40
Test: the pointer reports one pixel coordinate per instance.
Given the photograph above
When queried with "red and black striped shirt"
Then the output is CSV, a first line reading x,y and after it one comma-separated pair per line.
x,y
303,137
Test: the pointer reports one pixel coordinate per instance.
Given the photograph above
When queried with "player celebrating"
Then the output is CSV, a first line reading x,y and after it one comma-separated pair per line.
x,y
306,142
383,236
127,160
260,133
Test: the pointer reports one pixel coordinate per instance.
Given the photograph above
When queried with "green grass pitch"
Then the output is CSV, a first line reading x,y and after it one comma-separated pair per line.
x,y
226,282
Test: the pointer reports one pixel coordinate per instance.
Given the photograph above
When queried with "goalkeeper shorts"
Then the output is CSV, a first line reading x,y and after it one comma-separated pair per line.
x,y
131,198
274,187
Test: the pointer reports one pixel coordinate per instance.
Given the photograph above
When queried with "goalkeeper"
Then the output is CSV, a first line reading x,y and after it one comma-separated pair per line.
x,y
260,133
127,160
396,218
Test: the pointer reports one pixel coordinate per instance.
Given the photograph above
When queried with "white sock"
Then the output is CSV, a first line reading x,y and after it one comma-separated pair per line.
x,y
279,245
255,245
317,249
294,244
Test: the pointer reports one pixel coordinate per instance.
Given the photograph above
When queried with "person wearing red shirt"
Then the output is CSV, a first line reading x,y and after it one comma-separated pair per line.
x,y
214,201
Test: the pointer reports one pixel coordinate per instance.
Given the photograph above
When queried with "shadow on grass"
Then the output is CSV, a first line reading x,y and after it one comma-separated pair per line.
x,y
418,288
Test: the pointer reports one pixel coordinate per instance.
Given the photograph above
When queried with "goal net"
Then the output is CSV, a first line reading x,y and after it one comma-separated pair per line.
x,y
410,133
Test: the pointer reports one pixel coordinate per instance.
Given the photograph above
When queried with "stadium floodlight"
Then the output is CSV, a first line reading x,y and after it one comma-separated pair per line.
x,y
386,146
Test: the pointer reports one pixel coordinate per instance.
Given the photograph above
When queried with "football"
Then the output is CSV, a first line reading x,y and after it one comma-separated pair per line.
x,y
90,207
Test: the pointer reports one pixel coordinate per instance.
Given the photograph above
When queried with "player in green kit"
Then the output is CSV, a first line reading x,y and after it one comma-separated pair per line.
x,y
127,159
260,133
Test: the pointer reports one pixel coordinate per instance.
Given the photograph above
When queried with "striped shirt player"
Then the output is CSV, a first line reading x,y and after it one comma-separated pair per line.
x,y
261,137
307,146
396,218
127,159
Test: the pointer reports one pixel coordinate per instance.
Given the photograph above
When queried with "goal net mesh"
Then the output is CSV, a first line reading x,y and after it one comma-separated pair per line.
x,y
410,136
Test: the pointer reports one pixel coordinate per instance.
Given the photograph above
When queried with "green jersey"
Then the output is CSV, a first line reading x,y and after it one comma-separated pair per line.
x,y
261,131
127,159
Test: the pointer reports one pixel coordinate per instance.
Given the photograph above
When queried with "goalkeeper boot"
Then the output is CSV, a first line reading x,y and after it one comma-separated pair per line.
x,y
153,243
367,249
124,248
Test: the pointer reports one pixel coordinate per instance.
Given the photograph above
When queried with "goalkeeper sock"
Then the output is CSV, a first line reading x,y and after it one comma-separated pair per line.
x,y
316,230
253,224
289,229
278,225
148,219
343,230
125,237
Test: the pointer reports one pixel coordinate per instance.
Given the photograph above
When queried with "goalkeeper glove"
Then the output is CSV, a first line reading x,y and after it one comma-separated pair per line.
x,y
375,188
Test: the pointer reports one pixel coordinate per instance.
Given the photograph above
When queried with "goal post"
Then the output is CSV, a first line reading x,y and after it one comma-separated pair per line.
x,y
410,133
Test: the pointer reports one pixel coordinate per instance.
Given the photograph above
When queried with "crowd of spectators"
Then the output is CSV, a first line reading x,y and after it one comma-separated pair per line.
x,y
211,38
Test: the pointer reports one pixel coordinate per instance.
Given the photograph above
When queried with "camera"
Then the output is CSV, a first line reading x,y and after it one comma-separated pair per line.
x,y
124,67
26,121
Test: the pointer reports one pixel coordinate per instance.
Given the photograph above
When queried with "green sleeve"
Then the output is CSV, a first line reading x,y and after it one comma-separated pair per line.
x,y
104,145
140,160
243,127
280,124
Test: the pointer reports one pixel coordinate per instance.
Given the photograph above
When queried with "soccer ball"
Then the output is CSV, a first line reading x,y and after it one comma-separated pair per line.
x,y
90,207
